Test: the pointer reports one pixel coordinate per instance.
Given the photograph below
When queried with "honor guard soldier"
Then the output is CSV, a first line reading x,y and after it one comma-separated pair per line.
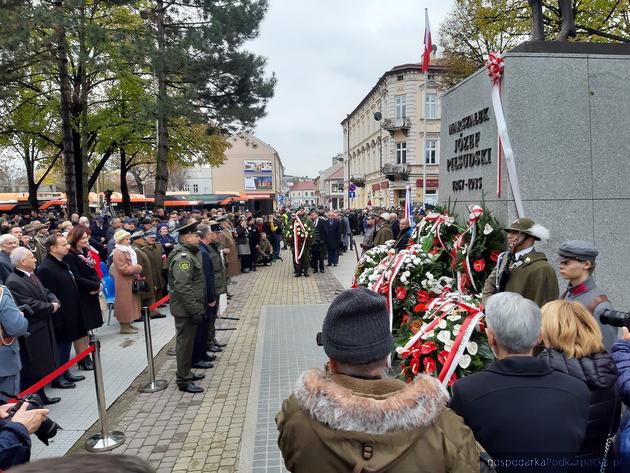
x,y
187,290
522,269
577,264
38,241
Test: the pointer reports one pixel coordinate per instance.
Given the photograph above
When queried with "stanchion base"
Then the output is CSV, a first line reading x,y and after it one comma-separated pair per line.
x,y
158,385
98,443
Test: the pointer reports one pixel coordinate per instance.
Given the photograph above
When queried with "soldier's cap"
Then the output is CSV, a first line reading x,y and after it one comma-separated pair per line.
x,y
529,227
578,250
37,225
137,235
147,220
150,233
189,228
384,216
129,220
215,226
27,228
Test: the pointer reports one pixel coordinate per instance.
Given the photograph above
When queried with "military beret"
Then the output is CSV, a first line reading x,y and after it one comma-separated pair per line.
x,y
579,250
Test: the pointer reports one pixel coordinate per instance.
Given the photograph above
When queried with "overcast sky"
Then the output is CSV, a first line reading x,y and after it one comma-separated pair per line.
x,y
327,55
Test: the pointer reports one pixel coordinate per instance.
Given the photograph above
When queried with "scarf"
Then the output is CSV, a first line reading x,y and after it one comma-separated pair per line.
x,y
130,251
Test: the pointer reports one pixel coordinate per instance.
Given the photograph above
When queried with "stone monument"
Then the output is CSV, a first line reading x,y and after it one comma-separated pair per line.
x,y
567,109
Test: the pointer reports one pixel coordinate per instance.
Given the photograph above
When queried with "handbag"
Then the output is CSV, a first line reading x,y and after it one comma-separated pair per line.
x,y
139,284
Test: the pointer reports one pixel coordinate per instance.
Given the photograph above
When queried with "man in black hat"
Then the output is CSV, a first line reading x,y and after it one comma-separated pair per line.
x,y
187,290
522,269
352,417
577,264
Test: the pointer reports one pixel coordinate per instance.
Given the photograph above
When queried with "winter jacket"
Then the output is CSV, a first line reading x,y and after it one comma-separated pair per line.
x,y
600,375
336,423
519,408
186,282
15,444
383,234
620,352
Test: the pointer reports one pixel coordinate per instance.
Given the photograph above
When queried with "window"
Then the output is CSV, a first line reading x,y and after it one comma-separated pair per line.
x,y
186,188
401,106
401,152
400,77
195,188
430,152
431,197
430,109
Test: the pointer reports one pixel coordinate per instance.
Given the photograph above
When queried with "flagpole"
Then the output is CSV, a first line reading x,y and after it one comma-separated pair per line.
x,y
424,114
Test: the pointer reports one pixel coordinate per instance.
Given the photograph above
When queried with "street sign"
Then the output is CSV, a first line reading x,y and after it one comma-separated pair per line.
x,y
352,194
352,187
280,198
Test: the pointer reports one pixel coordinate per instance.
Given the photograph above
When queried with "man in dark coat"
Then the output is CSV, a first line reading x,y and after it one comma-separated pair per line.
x,y
69,325
511,402
38,351
319,242
333,237
200,357
8,242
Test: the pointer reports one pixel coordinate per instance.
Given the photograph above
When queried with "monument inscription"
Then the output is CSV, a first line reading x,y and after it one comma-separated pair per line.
x,y
468,151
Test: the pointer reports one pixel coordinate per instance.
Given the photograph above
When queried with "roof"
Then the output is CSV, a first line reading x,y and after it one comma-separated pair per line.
x,y
437,65
303,186
338,174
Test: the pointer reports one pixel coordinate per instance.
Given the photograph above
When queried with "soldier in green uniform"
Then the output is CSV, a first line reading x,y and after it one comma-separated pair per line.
x,y
138,243
155,252
187,290
38,241
522,269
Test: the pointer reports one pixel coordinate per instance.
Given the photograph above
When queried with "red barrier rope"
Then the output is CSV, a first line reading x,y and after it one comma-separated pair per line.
x,y
157,304
48,379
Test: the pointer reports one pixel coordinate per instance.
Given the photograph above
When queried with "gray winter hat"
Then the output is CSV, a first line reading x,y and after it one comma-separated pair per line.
x,y
356,328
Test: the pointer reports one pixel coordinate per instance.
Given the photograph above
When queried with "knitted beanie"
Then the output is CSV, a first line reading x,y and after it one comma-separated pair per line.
x,y
356,328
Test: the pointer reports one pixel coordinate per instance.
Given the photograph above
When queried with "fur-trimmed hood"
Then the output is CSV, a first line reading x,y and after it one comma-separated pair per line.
x,y
338,423
374,407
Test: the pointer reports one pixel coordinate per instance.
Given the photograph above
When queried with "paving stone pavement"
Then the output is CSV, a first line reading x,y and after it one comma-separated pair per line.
x,y
178,431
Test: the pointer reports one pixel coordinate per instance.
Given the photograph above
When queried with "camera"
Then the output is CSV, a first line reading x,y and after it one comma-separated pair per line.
x,y
49,427
616,318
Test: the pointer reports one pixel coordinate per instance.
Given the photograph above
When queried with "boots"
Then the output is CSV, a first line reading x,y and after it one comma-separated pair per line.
x,y
126,328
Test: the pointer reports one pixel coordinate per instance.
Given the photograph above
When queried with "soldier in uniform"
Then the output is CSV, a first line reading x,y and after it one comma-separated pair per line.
x,y
156,254
522,269
187,289
577,263
38,242
303,261
138,243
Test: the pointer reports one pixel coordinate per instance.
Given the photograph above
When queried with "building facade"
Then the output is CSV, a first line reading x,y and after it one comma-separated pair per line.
x,y
253,171
302,194
330,187
385,144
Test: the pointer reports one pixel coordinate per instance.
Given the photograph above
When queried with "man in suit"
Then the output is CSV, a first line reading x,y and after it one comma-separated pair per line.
x,y
319,242
38,351
333,238
511,402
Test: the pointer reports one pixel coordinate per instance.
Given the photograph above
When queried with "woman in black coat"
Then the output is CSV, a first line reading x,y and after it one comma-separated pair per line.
x,y
69,324
574,345
83,268
244,247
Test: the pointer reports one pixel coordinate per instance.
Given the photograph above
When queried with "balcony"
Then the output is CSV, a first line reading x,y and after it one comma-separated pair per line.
x,y
397,124
396,171
358,181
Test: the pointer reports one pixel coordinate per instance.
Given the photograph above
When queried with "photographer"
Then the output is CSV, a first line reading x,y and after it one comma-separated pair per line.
x,y
15,431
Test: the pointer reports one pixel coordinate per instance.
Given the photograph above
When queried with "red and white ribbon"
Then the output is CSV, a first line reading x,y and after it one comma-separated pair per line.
x,y
475,213
457,350
298,251
495,66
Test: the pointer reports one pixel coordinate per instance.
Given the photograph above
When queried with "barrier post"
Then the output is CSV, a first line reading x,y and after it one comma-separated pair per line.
x,y
105,440
153,385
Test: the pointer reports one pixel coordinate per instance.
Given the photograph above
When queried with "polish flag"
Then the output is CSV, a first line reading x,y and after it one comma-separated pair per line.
x,y
428,45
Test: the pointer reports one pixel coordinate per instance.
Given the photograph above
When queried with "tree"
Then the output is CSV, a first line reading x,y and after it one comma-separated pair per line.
x,y
476,27
203,74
